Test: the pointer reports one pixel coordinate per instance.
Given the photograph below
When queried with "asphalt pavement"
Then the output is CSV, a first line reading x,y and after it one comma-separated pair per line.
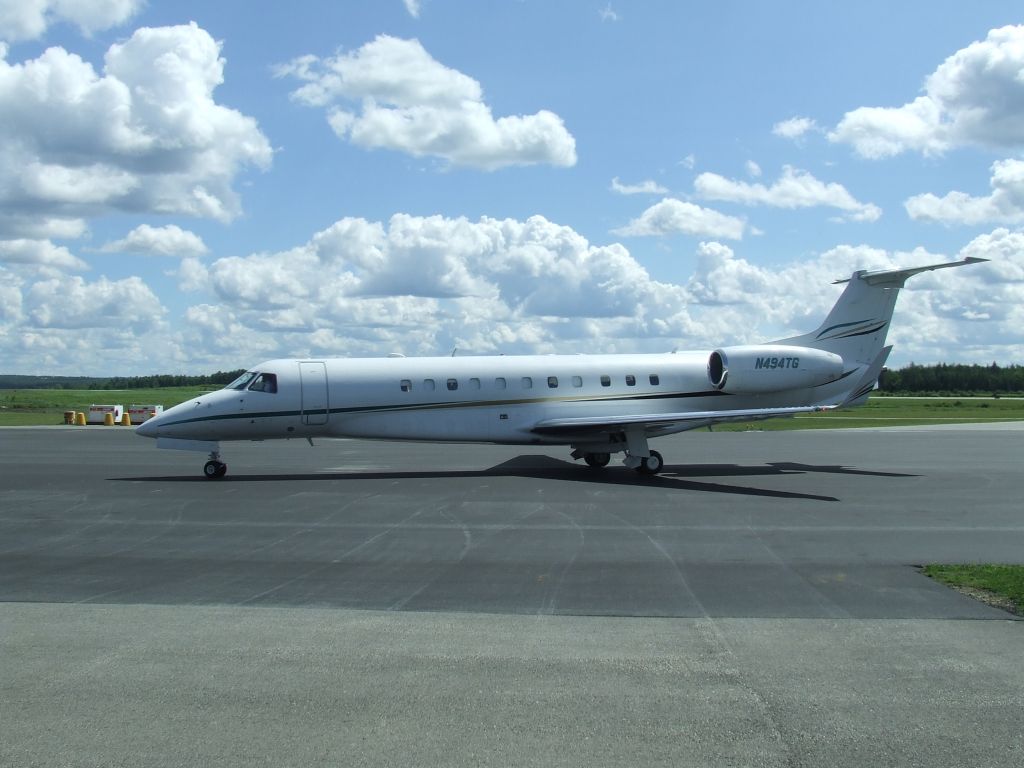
x,y
387,603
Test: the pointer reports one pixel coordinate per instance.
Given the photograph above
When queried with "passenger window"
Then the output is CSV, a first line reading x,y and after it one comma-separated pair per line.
x,y
474,383
552,382
406,385
527,382
453,384
631,381
577,381
265,382
606,381
428,385
500,383
655,381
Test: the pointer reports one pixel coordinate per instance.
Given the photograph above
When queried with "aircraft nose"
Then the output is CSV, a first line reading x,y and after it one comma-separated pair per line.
x,y
148,428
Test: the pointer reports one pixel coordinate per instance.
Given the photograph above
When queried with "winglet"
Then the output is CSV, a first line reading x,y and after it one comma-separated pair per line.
x,y
898,277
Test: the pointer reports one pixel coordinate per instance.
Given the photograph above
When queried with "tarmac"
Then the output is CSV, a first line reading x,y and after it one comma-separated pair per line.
x,y
372,603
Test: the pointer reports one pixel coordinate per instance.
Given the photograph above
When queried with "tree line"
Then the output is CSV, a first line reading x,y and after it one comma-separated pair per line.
x,y
954,379
157,381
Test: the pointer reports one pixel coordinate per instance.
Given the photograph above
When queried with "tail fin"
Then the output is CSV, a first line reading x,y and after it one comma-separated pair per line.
x,y
857,326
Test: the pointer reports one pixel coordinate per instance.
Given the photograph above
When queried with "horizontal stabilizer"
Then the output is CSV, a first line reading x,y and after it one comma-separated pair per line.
x,y
898,277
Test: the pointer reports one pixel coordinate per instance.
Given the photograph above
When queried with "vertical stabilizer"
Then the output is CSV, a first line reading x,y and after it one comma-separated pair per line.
x,y
856,327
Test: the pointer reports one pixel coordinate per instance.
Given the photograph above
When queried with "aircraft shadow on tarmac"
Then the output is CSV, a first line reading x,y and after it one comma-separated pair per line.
x,y
682,477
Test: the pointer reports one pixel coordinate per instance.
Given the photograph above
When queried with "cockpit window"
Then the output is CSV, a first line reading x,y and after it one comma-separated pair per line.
x,y
242,381
265,382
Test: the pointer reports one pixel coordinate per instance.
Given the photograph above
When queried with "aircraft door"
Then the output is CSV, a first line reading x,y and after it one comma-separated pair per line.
x,y
314,393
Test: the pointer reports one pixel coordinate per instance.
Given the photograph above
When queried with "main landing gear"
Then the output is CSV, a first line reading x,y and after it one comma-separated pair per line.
x,y
633,444
651,465
215,469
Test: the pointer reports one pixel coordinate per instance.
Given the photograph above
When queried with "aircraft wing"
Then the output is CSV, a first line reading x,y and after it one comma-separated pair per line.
x,y
671,421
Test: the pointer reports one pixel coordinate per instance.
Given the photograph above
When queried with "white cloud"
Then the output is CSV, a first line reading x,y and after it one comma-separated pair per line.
x,y
647,187
975,97
29,19
607,13
392,94
672,216
413,7
689,161
10,301
794,189
39,253
73,303
146,136
795,128
753,169
537,287
1004,205
170,240
488,286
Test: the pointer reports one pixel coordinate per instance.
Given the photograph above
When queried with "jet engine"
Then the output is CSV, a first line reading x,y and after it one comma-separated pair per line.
x,y
760,368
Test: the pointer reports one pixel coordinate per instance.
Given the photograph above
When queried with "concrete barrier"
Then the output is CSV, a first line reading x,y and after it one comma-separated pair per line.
x,y
141,413
98,413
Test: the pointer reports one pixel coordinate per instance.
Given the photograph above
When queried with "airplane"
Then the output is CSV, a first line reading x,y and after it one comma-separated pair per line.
x,y
598,405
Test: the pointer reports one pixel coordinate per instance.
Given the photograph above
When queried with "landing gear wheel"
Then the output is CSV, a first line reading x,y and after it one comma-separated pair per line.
x,y
215,470
652,465
597,459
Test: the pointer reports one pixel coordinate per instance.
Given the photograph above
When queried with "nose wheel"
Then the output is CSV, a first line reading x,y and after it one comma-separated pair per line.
x,y
215,469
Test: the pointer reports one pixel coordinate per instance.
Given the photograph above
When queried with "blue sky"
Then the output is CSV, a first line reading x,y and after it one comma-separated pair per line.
x,y
189,186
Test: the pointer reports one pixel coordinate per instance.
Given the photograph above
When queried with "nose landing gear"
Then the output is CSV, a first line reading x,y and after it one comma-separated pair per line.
x,y
215,469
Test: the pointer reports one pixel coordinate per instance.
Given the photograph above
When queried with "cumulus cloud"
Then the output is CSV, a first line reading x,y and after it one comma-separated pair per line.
x,y
145,136
608,13
73,303
1004,205
40,253
426,284
488,286
29,19
672,216
794,189
975,97
647,187
795,128
413,7
170,240
392,94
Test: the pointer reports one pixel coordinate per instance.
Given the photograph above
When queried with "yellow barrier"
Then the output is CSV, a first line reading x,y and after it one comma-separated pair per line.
x,y
69,417
80,419
126,420
108,419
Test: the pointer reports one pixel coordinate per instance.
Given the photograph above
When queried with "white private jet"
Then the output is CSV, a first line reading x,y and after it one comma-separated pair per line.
x,y
598,405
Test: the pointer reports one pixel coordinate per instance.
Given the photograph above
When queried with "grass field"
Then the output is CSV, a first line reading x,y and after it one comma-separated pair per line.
x,y
33,407
1004,582
897,411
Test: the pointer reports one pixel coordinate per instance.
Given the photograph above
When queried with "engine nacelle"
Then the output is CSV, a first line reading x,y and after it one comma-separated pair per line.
x,y
760,368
